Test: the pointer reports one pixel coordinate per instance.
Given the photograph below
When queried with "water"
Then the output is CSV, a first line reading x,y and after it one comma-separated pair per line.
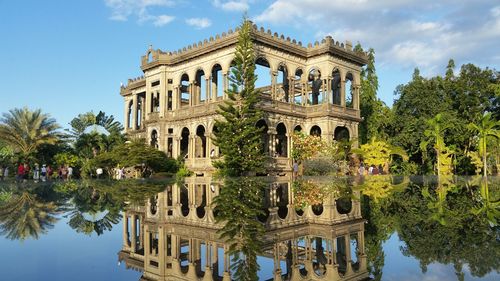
x,y
376,228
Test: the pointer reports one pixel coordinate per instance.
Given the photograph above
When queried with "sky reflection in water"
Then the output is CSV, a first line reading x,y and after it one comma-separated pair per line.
x,y
405,221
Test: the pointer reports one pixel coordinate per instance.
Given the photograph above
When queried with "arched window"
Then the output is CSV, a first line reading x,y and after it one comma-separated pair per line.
x,y
315,131
185,142
349,90
154,139
200,145
185,96
281,145
315,84
336,87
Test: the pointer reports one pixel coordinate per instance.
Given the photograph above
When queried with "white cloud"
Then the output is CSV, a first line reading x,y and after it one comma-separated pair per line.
x,y
404,33
162,20
122,10
232,5
199,23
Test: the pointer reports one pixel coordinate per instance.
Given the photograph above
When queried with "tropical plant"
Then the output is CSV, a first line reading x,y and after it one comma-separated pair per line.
x,y
25,130
487,128
434,133
26,215
379,152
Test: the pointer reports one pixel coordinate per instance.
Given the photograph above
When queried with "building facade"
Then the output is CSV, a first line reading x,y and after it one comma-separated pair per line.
x,y
174,236
314,89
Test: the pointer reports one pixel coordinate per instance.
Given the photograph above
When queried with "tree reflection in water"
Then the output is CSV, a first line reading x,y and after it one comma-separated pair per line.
x,y
238,207
27,215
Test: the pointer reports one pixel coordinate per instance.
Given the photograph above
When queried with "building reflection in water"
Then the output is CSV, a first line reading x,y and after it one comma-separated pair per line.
x,y
174,236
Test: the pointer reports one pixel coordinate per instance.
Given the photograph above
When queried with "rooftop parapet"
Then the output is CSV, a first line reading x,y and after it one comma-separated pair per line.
x,y
228,38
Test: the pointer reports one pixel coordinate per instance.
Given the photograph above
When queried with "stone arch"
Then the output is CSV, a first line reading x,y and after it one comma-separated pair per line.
x,y
130,111
200,143
263,71
315,84
297,128
282,79
341,133
216,87
184,93
349,89
154,139
184,142
315,131
336,86
264,135
149,56
200,86
296,95
281,144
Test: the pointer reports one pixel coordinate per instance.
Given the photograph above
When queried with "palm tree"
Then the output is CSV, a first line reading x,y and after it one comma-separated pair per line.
x,y
25,130
435,130
486,129
25,215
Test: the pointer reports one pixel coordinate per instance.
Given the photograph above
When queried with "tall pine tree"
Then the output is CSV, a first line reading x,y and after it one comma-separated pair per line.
x,y
236,133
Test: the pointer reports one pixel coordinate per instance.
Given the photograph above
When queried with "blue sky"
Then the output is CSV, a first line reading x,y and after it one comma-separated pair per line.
x,y
69,57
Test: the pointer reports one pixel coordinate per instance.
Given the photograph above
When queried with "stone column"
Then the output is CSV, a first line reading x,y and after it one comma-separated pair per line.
x,y
125,230
134,113
191,94
133,227
329,91
175,98
355,98
225,82
274,76
348,253
148,103
342,92
288,146
191,148
163,100
176,146
208,98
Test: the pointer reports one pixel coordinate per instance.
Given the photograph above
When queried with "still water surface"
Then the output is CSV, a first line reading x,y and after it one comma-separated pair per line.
x,y
373,228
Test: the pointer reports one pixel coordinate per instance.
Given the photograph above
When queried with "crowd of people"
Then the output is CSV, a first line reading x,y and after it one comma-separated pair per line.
x,y
37,173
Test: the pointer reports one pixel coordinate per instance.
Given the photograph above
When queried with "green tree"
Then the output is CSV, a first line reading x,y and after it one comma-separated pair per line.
x,y
25,130
434,133
237,136
238,206
487,128
26,215
373,111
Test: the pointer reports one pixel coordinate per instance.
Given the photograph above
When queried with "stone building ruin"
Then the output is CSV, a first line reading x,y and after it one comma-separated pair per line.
x,y
314,89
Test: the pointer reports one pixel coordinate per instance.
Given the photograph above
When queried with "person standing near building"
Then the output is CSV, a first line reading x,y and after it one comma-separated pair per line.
x,y
44,173
36,172
6,172
20,172
70,172
98,171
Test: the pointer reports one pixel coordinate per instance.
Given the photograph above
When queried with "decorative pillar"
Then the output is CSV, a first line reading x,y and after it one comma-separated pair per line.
x,y
176,146
207,89
148,102
329,92
133,227
225,82
125,230
342,92
274,76
347,241
134,113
